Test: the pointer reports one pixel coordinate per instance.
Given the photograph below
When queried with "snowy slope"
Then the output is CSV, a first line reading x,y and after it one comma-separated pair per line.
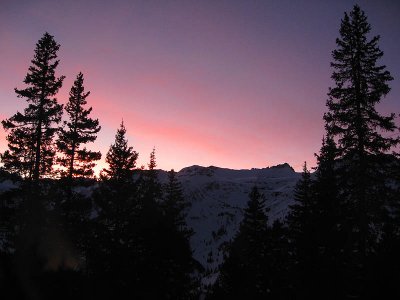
x,y
218,197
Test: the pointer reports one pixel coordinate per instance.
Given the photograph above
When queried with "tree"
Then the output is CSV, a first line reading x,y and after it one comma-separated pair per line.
x,y
175,205
360,131
121,158
245,273
177,240
151,174
360,84
115,249
299,216
302,223
30,140
330,224
150,185
152,163
19,157
79,130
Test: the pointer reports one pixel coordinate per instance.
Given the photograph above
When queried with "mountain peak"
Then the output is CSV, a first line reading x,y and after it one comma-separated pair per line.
x,y
282,166
198,168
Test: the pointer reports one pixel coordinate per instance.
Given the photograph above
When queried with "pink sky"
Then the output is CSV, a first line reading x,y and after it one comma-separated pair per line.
x,y
234,84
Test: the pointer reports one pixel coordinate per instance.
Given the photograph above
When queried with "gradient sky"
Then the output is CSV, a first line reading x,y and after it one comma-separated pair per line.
x,y
236,84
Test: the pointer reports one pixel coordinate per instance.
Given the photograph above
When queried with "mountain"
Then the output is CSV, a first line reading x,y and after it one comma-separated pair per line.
x,y
218,197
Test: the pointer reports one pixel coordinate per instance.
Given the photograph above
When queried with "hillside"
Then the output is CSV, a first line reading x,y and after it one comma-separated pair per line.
x,y
217,198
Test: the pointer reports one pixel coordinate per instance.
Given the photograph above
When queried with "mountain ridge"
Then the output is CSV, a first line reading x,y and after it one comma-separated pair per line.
x,y
218,197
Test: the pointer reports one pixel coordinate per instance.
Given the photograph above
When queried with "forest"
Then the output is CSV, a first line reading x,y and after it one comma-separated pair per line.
x,y
129,238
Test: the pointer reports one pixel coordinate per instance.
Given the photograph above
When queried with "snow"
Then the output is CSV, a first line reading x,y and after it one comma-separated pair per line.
x,y
218,197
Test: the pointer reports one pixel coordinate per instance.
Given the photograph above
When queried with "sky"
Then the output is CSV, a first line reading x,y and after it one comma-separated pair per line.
x,y
237,84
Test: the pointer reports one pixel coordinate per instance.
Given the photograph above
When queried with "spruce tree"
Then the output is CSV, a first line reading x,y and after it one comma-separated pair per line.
x,y
121,158
116,250
328,206
330,225
363,145
30,140
360,84
151,174
176,264
80,129
302,223
19,157
175,204
299,217
245,273
152,163
151,187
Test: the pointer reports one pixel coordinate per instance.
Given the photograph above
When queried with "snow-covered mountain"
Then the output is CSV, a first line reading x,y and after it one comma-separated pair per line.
x,y
218,197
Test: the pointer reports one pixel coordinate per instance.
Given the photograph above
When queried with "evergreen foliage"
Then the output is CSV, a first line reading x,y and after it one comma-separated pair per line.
x,y
151,187
352,119
30,139
79,130
300,217
121,158
128,235
175,204
330,226
302,224
360,84
244,273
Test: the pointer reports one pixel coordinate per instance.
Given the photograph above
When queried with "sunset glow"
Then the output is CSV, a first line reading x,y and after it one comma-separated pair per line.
x,y
235,84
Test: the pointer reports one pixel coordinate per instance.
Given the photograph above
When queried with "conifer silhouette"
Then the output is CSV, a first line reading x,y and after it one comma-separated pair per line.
x,y
31,149
80,129
121,158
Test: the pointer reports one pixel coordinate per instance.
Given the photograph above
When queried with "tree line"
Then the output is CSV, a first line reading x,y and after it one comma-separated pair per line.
x,y
341,237
128,234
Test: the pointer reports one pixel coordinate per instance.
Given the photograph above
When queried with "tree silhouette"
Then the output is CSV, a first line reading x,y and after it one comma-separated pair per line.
x,y
352,119
302,223
30,140
79,130
244,273
175,205
121,158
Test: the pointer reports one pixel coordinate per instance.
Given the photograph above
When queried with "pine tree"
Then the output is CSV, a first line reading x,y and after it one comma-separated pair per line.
x,y
360,84
352,119
302,223
175,205
328,205
245,273
152,163
151,174
30,140
116,250
19,158
176,263
79,130
299,217
115,225
121,158
330,225
151,187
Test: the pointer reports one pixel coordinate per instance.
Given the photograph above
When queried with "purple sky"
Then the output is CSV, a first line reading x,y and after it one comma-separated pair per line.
x,y
236,84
